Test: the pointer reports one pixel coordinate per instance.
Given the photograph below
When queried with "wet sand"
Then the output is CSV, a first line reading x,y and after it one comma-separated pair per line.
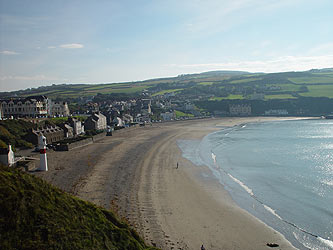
x,y
135,172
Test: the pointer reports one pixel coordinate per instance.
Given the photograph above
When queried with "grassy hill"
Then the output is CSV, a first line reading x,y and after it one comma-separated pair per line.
x,y
36,215
14,132
129,88
219,84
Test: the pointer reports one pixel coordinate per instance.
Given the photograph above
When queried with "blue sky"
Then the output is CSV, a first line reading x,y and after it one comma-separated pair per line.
x,y
82,41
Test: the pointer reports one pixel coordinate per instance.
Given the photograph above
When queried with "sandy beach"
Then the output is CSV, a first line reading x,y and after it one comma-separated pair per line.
x,y
135,172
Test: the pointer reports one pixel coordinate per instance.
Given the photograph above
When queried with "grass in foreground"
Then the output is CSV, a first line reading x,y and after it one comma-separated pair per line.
x,y
36,215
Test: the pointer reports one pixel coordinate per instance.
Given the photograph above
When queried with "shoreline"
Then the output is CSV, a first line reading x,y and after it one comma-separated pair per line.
x,y
135,173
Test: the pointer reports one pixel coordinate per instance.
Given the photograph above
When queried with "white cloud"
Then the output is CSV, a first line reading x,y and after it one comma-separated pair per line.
x,y
72,46
280,64
8,52
51,47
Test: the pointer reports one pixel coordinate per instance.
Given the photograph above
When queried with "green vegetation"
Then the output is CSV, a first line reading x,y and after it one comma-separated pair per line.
x,y
180,114
36,215
14,132
215,86
246,80
59,120
285,87
312,79
229,97
167,91
282,96
319,91
206,83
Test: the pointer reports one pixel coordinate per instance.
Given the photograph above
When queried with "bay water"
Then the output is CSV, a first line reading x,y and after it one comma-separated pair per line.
x,y
279,171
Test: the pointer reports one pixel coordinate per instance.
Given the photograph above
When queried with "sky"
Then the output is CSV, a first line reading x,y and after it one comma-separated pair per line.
x,y
44,42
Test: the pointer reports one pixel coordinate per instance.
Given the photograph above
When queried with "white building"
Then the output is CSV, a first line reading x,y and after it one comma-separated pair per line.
x,y
118,122
33,106
142,118
58,109
277,112
77,126
240,110
96,121
128,119
7,156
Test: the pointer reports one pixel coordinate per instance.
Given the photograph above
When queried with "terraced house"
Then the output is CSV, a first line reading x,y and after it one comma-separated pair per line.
x,y
33,106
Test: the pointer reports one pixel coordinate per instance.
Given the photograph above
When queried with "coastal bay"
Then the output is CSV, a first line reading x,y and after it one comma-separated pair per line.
x,y
140,172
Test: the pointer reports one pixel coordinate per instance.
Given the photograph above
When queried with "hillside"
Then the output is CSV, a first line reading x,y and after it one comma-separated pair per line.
x,y
216,85
36,215
65,91
14,132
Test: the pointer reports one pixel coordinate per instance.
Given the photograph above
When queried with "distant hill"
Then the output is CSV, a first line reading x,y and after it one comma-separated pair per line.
x,y
36,215
213,84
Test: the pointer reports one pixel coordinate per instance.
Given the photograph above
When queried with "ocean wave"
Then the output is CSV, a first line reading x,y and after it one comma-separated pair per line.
x,y
321,244
272,211
304,241
326,242
246,188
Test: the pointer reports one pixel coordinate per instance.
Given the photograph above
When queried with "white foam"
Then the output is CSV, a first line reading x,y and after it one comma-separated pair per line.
x,y
323,245
304,241
272,211
246,188
326,242
214,158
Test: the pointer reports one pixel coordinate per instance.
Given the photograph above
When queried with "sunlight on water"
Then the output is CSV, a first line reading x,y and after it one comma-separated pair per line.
x,y
284,167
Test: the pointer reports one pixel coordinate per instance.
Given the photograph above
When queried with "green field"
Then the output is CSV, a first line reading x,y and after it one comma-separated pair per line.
x,y
319,91
167,91
206,83
282,96
312,80
286,87
182,114
229,97
245,80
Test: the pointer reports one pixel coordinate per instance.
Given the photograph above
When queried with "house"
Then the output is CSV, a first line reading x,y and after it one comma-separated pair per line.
x,y
117,122
128,119
142,118
52,134
58,109
68,130
168,116
146,106
7,156
240,109
277,112
96,121
92,107
77,126
33,106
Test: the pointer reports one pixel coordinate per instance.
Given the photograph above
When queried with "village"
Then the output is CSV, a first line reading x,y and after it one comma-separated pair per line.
x,y
64,130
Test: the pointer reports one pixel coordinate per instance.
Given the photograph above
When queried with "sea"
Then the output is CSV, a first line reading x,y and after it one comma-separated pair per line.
x,y
279,171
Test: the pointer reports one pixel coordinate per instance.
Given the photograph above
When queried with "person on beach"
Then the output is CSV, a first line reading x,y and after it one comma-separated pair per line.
x,y
202,247
177,166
